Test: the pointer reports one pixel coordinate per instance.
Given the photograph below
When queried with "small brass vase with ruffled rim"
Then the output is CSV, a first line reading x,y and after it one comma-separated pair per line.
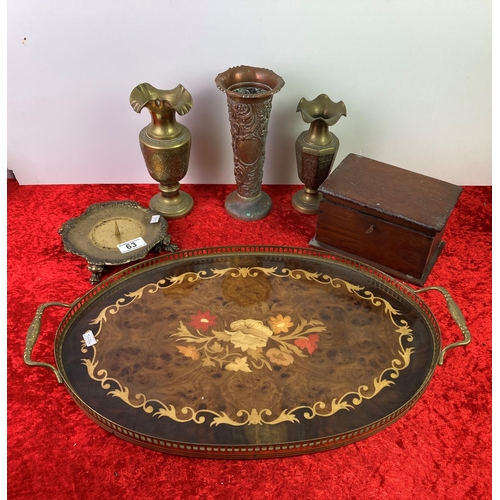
x,y
316,149
165,145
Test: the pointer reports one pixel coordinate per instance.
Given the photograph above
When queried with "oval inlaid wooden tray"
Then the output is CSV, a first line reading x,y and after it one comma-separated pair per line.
x,y
247,352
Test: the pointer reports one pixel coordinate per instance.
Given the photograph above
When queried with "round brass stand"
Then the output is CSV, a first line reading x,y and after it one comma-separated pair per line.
x,y
98,234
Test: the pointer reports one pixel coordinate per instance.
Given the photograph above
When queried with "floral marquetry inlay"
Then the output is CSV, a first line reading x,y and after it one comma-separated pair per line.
x,y
247,345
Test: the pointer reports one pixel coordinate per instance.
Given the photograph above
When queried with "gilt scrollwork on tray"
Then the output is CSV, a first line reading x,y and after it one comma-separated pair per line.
x,y
240,335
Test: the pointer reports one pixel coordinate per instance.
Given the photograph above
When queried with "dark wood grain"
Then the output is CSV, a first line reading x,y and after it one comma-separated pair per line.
x,y
250,350
387,216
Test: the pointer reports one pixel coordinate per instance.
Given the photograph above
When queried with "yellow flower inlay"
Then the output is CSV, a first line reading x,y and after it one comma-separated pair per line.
x,y
280,324
189,351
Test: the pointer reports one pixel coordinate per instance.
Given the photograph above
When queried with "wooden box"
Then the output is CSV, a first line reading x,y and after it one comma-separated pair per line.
x,y
385,216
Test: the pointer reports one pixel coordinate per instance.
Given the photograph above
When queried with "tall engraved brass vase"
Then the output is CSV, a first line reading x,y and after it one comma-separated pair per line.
x,y
316,149
165,145
249,94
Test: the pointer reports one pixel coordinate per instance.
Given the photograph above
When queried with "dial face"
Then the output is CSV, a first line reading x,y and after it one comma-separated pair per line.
x,y
97,233
111,232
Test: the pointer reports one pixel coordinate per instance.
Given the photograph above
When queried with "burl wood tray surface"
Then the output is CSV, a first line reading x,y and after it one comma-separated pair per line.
x,y
247,352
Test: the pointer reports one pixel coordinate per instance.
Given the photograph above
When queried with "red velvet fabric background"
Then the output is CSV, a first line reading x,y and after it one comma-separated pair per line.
x,y
440,449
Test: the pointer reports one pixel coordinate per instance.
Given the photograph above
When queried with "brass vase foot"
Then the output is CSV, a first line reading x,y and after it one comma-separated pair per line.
x,y
248,209
306,201
171,202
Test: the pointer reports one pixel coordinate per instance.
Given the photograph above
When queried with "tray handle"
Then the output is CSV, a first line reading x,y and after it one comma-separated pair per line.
x,y
456,314
32,336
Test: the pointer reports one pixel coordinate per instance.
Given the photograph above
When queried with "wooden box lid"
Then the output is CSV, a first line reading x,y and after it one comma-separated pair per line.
x,y
391,192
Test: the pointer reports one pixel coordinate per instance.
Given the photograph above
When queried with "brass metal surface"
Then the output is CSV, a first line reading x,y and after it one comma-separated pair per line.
x,y
249,92
316,149
457,316
165,145
96,234
32,337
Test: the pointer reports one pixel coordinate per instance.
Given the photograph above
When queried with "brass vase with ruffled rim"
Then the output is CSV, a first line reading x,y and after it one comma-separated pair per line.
x,y
165,145
249,94
316,149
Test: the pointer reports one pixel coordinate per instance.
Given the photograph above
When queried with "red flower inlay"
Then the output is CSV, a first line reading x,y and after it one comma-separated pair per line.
x,y
203,320
309,344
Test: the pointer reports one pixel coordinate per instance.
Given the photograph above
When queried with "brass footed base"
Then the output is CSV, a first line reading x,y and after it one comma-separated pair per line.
x,y
171,202
248,209
306,201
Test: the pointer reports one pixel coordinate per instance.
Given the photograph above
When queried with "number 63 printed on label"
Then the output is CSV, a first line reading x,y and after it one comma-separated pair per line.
x,y
134,244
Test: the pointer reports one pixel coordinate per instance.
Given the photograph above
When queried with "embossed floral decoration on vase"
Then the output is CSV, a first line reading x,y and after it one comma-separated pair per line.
x,y
249,93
